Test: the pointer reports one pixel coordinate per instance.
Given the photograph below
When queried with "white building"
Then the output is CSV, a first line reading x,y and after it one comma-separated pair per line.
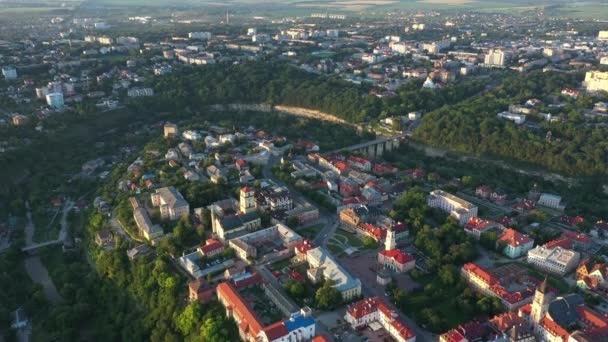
x,y
199,35
413,116
171,202
401,48
192,135
9,73
551,201
458,208
495,57
127,40
518,119
323,264
602,35
436,47
556,260
596,81
370,311
42,92
140,92
55,100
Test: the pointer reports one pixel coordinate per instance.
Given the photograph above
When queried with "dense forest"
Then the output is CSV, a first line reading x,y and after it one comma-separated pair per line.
x,y
280,83
460,116
472,126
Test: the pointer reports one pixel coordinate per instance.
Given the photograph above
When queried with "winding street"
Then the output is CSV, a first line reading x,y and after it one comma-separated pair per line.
x,y
331,222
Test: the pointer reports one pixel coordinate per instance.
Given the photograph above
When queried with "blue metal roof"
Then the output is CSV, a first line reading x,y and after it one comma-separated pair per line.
x,y
297,322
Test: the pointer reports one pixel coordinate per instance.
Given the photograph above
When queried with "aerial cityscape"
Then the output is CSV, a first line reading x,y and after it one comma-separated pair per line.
x,y
304,170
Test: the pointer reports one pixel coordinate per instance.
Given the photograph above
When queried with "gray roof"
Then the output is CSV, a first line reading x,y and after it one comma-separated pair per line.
x,y
172,197
232,222
563,309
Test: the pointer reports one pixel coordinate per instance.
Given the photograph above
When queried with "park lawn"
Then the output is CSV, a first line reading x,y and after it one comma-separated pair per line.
x,y
418,301
279,265
353,240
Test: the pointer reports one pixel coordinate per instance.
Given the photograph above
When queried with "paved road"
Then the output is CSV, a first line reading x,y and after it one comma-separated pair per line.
x,y
331,223
117,227
328,219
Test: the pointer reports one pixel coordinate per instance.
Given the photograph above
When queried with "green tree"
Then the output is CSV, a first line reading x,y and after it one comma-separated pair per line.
x,y
327,296
187,320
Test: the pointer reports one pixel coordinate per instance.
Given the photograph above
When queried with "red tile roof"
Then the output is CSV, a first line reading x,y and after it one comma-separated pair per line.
x,y
304,247
211,245
526,309
506,321
275,331
560,242
453,336
383,168
397,255
364,307
241,163
582,238
377,232
476,223
354,200
296,276
249,320
514,238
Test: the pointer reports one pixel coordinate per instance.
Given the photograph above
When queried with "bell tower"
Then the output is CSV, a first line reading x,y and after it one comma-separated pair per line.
x,y
247,200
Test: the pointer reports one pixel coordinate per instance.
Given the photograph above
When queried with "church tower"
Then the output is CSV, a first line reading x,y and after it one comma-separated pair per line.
x,y
391,241
540,305
247,200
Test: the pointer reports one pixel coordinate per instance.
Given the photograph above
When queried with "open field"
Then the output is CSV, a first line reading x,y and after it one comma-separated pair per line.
x,y
556,8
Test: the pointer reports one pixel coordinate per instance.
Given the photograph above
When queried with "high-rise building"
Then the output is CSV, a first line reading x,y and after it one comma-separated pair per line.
x,y
495,57
602,35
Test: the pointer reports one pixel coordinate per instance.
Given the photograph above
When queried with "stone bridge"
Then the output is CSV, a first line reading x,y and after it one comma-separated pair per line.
x,y
377,147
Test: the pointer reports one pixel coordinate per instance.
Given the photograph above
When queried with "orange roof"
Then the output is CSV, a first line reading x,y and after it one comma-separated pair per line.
x,y
554,329
592,318
514,238
487,277
241,310
506,321
402,329
320,338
